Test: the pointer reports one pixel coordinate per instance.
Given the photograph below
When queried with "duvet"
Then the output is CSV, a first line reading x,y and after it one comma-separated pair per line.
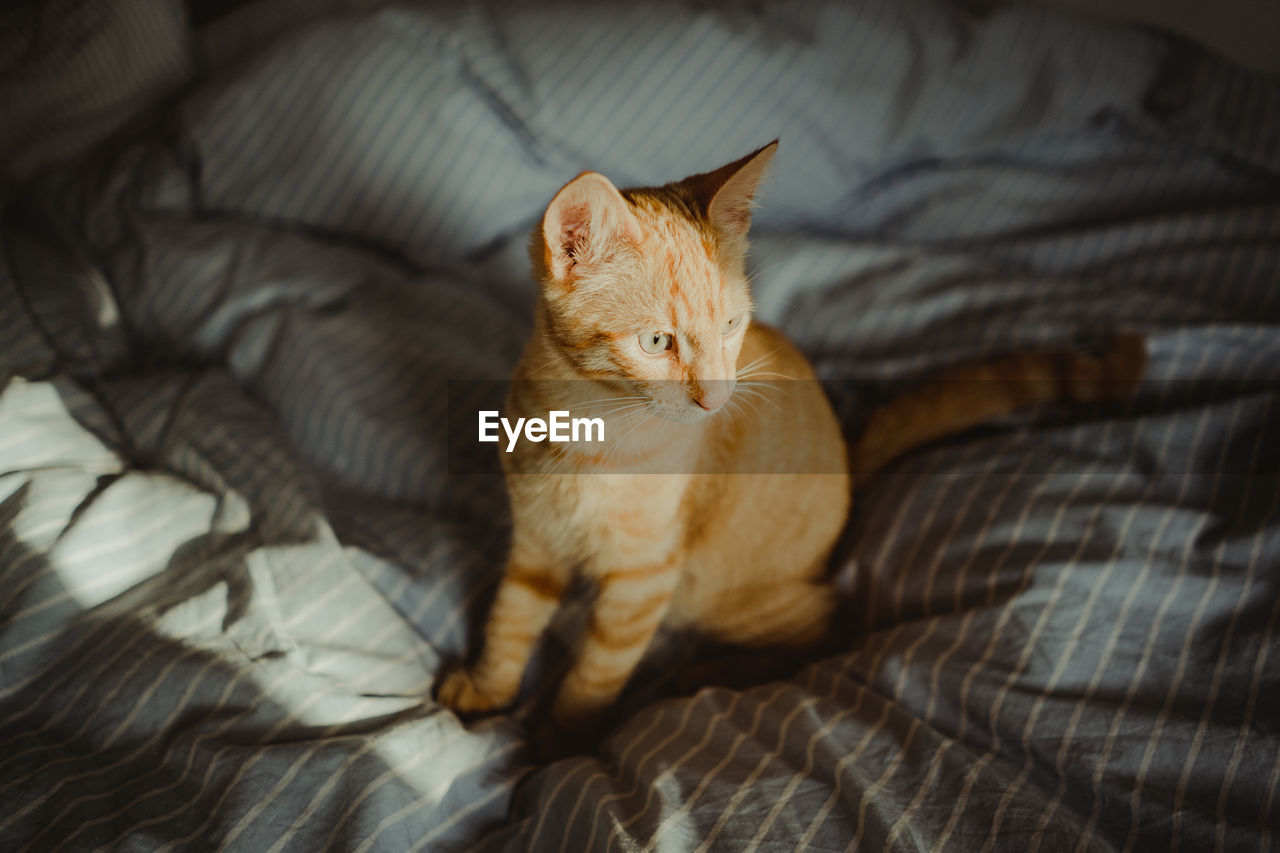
x,y
233,559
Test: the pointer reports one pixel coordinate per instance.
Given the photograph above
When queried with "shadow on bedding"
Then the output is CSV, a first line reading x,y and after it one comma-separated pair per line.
x,y
154,726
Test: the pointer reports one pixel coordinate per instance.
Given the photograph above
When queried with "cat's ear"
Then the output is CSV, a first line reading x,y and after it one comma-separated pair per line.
x,y
726,193
586,222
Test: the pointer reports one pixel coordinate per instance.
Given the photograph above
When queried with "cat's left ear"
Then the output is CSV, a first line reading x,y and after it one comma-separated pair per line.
x,y
586,221
726,193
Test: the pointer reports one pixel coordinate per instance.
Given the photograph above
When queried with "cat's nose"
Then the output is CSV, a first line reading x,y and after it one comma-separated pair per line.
x,y
714,394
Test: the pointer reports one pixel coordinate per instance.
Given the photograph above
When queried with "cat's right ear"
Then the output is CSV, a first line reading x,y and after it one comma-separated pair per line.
x,y
585,223
727,193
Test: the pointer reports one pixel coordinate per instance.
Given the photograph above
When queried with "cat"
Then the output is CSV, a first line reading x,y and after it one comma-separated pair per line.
x,y
644,307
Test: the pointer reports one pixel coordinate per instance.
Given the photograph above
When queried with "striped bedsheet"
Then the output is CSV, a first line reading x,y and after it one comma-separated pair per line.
x,y
232,561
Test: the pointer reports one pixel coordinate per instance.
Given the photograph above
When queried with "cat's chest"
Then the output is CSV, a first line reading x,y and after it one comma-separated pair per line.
x,y
629,509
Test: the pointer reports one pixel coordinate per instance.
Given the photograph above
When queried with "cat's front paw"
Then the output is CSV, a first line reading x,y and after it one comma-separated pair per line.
x,y
459,693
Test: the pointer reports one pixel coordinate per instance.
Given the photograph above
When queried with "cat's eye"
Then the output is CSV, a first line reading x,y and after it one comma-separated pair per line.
x,y
733,324
655,342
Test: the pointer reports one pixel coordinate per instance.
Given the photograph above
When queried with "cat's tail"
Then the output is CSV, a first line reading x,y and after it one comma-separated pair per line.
x,y
969,395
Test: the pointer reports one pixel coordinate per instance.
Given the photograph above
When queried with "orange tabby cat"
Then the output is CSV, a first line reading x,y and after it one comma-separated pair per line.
x,y
644,307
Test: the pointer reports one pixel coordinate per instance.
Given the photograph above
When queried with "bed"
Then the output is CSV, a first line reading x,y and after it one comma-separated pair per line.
x,y
235,291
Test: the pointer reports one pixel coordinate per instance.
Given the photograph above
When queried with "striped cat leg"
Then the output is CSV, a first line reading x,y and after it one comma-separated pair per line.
x,y
630,605
527,599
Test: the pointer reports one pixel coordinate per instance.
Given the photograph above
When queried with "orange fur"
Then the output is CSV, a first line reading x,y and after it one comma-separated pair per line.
x,y
663,520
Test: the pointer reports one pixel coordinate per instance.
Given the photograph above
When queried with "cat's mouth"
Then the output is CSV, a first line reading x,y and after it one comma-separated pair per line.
x,y
690,414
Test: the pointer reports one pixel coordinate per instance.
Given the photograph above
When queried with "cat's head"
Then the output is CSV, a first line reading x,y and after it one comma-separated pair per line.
x,y
647,286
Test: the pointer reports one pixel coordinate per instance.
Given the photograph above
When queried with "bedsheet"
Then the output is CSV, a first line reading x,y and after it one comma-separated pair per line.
x,y
233,561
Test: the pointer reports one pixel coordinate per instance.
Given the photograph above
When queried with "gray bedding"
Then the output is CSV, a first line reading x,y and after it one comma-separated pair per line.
x,y
233,561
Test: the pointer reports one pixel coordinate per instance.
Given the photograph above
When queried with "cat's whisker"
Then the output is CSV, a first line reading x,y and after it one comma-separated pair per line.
x,y
546,362
741,405
553,457
604,400
788,389
634,415
748,401
755,362
618,424
773,384
559,454
744,376
629,412
754,393
616,449
785,387
627,408
759,271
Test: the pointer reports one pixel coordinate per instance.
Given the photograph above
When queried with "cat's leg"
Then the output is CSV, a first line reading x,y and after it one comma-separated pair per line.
x,y
632,599
527,598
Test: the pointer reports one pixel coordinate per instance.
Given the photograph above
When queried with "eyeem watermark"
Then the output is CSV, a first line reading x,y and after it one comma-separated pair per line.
x,y
478,445
559,426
